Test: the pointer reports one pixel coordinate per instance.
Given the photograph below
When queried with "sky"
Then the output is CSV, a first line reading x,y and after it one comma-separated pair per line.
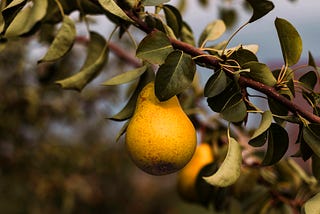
x,y
303,14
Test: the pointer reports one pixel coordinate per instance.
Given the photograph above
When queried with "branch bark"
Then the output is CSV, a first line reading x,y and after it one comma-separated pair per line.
x,y
244,81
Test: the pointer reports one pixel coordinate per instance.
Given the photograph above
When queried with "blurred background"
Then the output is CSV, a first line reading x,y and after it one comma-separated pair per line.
x,y
58,152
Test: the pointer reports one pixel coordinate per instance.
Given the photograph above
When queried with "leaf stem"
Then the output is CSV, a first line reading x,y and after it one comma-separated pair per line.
x,y
60,7
231,37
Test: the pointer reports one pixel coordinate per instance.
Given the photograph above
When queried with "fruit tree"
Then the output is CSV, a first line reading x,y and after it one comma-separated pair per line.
x,y
174,122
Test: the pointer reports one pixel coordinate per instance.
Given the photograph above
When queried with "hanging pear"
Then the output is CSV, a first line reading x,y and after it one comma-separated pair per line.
x,y
187,177
160,138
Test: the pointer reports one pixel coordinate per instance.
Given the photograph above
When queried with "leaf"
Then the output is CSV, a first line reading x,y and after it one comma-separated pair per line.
x,y
260,8
187,34
216,84
290,41
217,102
265,123
309,80
204,190
27,18
129,108
260,140
122,130
63,41
311,135
304,151
312,206
278,142
126,77
246,52
311,61
235,110
277,109
230,169
153,2
11,10
1,23
14,3
175,75
154,48
112,7
96,58
243,55
259,72
213,31
173,18
316,166
229,16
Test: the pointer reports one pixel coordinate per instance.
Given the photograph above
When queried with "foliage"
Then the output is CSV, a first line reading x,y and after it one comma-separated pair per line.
x,y
168,55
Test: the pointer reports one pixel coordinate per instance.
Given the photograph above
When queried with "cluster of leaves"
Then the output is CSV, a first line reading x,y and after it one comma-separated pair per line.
x,y
170,45
281,188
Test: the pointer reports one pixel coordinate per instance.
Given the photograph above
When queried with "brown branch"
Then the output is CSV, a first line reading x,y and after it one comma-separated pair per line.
x,y
122,54
214,63
272,92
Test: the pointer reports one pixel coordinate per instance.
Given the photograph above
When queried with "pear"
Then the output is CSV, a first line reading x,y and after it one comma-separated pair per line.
x,y
160,138
187,177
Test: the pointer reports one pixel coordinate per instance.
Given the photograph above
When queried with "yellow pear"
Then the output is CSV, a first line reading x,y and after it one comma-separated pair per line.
x,y
160,138
187,177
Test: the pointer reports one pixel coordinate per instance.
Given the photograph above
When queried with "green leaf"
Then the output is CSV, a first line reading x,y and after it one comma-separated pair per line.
x,y
122,130
316,166
154,48
235,110
112,7
260,72
153,2
265,123
175,75
278,142
277,109
126,77
290,41
260,140
27,18
311,135
10,11
260,8
173,18
127,111
230,169
216,84
1,23
309,80
229,16
217,102
312,206
304,151
14,3
212,31
96,58
63,41
311,61
243,56
187,34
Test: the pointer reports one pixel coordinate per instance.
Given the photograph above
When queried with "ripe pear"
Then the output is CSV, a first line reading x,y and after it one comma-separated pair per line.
x,y
160,138
187,177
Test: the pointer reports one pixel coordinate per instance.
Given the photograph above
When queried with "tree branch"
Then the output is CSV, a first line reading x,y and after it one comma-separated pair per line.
x,y
213,62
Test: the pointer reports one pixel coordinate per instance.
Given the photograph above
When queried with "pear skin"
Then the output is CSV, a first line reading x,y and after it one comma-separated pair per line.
x,y
187,177
160,138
